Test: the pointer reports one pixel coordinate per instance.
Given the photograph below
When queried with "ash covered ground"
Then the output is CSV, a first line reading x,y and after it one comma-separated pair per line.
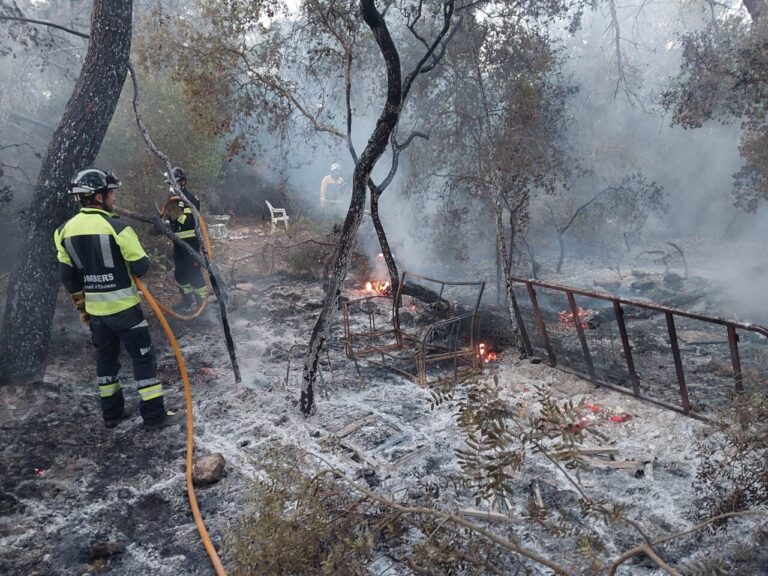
x,y
79,499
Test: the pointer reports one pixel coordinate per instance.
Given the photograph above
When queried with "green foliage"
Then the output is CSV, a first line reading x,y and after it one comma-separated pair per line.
x,y
172,129
498,439
298,524
733,474
724,77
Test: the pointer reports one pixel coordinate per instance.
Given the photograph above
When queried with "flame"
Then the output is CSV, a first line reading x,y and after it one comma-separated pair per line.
x,y
485,355
376,287
566,318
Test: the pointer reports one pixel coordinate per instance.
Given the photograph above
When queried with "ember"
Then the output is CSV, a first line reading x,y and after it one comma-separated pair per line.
x,y
566,318
487,355
376,287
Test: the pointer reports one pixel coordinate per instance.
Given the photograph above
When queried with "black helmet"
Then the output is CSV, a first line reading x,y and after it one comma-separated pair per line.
x,y
178,174
90,181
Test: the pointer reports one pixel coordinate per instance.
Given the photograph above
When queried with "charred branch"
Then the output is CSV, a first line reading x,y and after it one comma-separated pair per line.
x,y
216,282
371,154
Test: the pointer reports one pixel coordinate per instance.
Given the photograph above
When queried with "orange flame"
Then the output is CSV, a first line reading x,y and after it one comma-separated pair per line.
x,y
376,287
485,355
566,318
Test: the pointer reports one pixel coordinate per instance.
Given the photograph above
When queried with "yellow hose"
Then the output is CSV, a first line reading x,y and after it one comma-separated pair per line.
x,y
212,554
207,242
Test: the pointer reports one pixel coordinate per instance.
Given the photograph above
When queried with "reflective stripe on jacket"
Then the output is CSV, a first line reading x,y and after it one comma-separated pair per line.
x,y
184,226
97,254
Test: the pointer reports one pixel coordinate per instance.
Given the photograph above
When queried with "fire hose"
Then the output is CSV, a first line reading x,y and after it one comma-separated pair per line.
x,y
158,310
207,241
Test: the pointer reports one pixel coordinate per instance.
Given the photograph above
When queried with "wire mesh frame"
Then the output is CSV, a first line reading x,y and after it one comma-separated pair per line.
x,y
452,341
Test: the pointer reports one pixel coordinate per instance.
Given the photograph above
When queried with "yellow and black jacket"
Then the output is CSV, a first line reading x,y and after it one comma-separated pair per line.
x,y
184,226
98,254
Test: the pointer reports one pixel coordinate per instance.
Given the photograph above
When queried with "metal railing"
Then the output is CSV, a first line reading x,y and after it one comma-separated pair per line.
x,y
618,304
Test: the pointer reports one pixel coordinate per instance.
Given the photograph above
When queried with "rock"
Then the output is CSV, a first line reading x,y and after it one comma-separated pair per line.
x,y
208,469
534,360
674,281
639,274
245,287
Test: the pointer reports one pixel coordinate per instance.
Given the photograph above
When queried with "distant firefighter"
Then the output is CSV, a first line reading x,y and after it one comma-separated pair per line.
x,y
332,178
181,219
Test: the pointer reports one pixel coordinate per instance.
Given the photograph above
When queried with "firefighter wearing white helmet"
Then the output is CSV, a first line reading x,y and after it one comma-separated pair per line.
x,y
181,219
328,179
98,256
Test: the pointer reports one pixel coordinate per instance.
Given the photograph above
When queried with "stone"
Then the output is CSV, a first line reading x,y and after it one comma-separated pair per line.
x,y
534,360
208,469
244,287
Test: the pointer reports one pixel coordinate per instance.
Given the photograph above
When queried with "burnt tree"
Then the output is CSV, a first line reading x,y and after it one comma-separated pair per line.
x,y
377,144
75,143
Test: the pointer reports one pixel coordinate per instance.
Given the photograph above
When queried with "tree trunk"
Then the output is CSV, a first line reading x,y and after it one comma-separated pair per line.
x,y
374,149
386,252
756,8
561,257
499,273
75,144
524,343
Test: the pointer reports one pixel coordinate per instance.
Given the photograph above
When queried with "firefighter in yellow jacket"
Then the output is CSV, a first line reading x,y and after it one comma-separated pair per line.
x,y
98,254
181,219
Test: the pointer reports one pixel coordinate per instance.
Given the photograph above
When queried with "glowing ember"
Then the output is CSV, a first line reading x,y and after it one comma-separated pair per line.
x,y
485,354
376,287
566,318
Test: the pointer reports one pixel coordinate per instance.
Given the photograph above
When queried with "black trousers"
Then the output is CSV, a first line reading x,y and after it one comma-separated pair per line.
x,y
130,328
187,272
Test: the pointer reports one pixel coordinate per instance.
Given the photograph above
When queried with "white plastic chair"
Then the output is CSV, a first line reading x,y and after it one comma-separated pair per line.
x,y
277,215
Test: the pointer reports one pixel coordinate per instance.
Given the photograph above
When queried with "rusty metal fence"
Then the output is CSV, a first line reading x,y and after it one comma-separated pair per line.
x,y
684,361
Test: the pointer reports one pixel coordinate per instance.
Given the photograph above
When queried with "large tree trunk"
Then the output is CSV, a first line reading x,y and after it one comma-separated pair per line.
x,y
756,8
75,144
373,151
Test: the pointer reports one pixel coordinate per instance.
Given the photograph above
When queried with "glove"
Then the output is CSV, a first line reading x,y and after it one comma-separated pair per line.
x,y
173,210
78,299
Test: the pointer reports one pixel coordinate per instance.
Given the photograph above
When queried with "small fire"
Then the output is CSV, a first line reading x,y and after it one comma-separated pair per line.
x,y
486,355
376,287
566,318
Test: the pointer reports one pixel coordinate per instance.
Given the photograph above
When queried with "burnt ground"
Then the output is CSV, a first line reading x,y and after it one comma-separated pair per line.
x,y
79,499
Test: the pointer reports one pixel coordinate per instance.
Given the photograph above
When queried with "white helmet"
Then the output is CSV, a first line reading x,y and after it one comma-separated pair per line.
x,y
335,166
90,181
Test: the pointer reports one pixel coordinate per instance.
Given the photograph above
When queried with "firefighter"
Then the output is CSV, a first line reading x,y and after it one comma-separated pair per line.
x,y
98,254
328,179
181,219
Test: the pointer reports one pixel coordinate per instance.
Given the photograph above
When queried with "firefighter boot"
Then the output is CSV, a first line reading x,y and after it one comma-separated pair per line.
x,y
186,305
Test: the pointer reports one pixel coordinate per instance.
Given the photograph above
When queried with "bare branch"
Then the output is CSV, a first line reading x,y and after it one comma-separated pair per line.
x,y
216,282
44,23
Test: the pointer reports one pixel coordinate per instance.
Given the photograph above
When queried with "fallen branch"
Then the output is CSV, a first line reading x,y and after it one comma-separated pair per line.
x,y
447,517
646,547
